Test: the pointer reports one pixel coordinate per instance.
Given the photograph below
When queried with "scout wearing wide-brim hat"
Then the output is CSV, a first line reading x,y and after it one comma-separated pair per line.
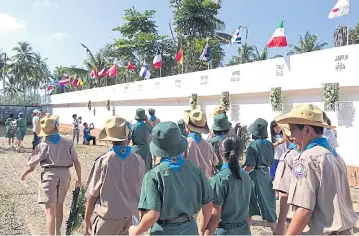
x,y
140,114
218,110
196,121
305,114
116,129
259,128
48,125
221,123
286,129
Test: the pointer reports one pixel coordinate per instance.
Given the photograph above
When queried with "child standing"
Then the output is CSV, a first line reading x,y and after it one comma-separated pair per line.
x,y
10,130
20,130
280,146
75,128
153,121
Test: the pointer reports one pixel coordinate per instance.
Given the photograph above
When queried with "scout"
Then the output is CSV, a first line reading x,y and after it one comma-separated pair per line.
x,y
279,144
282,179
219,110
141,132
220,127
319,187
35,118
259,158
174,190
232,189
199,150
182,127
114,184
75,128
153,121
20,130
56,155
10,130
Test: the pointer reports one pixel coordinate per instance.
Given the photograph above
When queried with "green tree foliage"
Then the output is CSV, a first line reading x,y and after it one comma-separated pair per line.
x,y
308,43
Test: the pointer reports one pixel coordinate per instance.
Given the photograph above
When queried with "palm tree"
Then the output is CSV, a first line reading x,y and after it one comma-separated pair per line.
x,y
308,43
262,55
41,70
11,89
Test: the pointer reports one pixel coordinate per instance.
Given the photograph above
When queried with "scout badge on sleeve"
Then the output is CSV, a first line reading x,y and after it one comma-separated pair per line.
x,y
299,170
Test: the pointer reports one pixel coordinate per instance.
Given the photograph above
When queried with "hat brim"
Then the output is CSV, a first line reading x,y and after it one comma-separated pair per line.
x,y
290,119
219,128
140,118
103,137
285,129
169,152
202,130
40,132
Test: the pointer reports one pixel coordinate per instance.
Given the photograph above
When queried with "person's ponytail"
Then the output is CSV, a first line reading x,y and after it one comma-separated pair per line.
x,y
234,165
231,148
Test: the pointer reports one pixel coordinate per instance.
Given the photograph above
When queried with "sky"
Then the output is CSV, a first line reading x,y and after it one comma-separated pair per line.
x,y
56,27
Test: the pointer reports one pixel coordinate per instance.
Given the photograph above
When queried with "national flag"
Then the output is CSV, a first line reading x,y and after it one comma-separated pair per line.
x,y
74,82
206,54
237,35
130,66
102,73
94,74
179,56
112,72
49,88
157,61
145,72
80,82
278,39
341,8
64,81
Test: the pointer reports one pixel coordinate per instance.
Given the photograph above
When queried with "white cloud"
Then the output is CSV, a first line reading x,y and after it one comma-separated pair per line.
x,y
59,37
45,3
9,23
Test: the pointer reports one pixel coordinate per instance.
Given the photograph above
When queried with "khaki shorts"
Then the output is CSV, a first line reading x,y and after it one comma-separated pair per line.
x,y
103,226
55,183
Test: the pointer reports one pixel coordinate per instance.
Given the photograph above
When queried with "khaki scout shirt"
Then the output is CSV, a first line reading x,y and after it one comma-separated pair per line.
x,y
203,155
116,183
49,154
319,183
283,173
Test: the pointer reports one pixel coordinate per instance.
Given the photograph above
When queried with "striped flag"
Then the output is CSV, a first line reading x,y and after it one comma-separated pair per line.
x,y
179,56
145,72
206,54
278,39
157,61
237,35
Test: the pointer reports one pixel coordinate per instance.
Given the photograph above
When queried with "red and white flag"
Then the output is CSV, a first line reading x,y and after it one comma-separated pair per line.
x,y
112,72
157,61
278,39
102,73
94,74
130,66
340,9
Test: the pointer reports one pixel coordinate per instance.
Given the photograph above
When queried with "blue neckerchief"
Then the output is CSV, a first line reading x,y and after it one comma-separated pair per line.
x,y
173,165
323,142
128,125
293,146
196,136
122,151
263,141
153,118
226,166
220,136
139,123
55,139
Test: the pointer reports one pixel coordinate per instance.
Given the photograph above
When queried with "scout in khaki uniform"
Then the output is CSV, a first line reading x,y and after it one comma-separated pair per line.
x,y
232,189
282,179
220,127
181,125
174,190
141,132
219,110
199,150
56,155
153,121
319,187
259,158
114,183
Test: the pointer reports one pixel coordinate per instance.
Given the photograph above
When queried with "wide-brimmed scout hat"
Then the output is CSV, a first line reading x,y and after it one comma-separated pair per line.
x,y
47,125
305,114
221,123
196,121
285,129
116,129
167,140
259,128
140,114
151,110
218,110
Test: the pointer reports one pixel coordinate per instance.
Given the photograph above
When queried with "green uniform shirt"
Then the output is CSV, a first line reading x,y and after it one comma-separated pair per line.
x,y
140,135
9,128
214,142
260,153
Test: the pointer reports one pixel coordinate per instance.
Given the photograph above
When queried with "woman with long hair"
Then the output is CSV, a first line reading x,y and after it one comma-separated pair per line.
x,y
232,189
279,144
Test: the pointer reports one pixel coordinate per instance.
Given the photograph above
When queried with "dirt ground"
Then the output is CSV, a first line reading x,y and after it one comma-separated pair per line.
x,y
19,212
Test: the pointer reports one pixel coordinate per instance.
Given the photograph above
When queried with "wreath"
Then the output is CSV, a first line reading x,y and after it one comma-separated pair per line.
x,y
89,105
108,104
77,211
224,100
276,99
331,96
193,101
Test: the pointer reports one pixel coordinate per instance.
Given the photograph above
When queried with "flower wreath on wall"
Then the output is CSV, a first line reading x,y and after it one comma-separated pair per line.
x,y
331,96
89,105
108,105
224,100
276,99
193,101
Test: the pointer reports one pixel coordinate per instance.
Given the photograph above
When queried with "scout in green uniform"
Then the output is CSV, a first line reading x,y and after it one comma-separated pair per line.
x,y
174,190
259,157
10,130
220,127
20,130
141,132
232,190
181,125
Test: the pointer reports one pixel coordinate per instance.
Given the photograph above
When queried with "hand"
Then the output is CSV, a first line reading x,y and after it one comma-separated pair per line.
x,y
78,183
22,177
87,227
280,141
132,231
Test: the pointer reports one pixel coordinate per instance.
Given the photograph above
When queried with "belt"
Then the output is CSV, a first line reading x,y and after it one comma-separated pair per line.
x,y
57,167
261,167
180,219
228,226
344,232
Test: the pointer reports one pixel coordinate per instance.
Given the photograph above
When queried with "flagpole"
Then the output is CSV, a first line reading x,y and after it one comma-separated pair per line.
x,y
182,67
348,31
160,71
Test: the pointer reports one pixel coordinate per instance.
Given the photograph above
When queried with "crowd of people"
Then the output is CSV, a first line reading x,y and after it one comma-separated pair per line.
x,y
201,180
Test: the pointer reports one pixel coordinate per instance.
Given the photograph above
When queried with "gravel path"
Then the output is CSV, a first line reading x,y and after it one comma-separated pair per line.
x,y
21,215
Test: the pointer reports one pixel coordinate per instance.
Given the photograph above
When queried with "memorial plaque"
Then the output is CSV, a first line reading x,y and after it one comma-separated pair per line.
x,y
157,84
178,83
340,62
204,80
236,76
279,70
